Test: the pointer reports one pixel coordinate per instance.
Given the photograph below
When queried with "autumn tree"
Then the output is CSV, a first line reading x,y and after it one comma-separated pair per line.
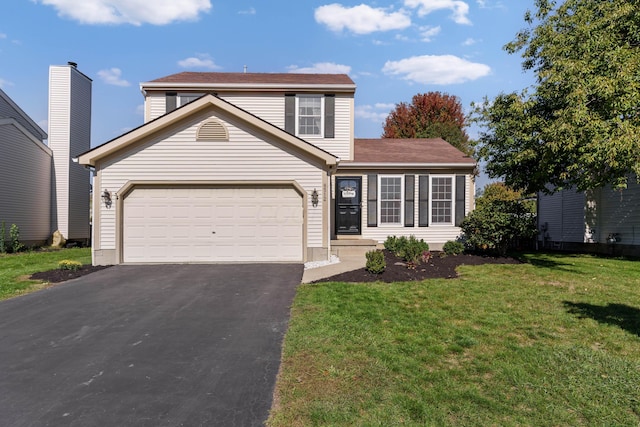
x,y
578,126
429,115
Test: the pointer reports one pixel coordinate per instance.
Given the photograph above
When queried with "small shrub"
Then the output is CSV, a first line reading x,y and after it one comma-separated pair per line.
x,y
453,247
3,235
375,262
414,249
67,264
14,234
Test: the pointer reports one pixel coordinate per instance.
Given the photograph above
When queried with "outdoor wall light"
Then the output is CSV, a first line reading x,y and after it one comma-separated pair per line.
x,y
314,198
106,198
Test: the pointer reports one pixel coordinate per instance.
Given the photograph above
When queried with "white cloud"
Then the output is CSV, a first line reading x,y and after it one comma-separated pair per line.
x,y
376,113
140,109
361,19
44,124
428,33
459,8
436,69
199,61
135,12
469,42
321,68
250,11
5,83
112,76
3,36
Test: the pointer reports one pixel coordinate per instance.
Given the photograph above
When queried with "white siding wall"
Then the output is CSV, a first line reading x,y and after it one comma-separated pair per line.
x,y
69,135
620,213
434,235
25,174
178,156
270,107
564,215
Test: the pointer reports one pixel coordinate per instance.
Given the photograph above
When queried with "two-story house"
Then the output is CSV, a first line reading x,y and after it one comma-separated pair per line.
x,y
253,167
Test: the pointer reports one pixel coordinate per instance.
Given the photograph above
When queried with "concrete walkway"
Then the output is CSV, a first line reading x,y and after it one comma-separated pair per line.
x,y
347,263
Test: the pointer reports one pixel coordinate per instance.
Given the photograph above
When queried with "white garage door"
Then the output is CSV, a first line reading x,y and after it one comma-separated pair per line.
x,y
212,225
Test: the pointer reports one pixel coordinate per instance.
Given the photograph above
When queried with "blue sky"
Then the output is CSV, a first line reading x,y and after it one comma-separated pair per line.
x,y
391,49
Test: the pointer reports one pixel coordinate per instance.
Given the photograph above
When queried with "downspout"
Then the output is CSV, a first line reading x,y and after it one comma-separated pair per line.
x,y
328,196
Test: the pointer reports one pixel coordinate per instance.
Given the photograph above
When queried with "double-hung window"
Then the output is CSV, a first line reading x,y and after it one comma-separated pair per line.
x,y
441,200
185,98
309,115
390,199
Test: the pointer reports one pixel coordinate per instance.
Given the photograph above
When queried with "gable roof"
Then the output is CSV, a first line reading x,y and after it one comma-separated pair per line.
x,y
205,102
404,152
248,81
39,133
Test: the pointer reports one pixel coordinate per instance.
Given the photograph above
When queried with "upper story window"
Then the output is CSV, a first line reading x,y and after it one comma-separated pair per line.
x,y
441,200
185,98
309,117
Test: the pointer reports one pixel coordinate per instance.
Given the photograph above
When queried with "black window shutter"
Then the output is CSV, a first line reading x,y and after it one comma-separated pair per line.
x,y
460,199
171,101
409,203
423,201
290,113
329,115
372,200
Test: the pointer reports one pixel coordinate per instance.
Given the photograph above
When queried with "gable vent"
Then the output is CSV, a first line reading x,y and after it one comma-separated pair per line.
x,y
212,130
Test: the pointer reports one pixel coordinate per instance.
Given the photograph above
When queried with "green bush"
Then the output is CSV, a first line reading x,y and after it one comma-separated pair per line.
x,y
410,249
14,234
67,264
3,235
498,225
453,247
375,262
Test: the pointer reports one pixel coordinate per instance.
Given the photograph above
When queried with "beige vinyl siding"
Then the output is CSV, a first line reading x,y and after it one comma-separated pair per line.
x,y
25,174
69,135
270,108
155,106
59,122
434,235
177,156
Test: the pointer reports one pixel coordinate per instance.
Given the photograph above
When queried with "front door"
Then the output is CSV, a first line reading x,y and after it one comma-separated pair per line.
x,y
348,205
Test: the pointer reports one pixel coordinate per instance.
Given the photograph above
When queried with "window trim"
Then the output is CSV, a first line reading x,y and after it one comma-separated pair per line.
x,y
432,222
297,116
380,200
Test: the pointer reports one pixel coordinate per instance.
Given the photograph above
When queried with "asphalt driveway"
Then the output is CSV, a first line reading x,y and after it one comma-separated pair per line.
x,y
175,345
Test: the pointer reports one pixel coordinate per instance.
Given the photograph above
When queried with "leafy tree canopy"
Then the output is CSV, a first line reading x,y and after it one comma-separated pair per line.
x,y
430,115
580,125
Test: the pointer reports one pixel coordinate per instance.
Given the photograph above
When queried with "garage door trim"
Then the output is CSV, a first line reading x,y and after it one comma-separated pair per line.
x,y
126,189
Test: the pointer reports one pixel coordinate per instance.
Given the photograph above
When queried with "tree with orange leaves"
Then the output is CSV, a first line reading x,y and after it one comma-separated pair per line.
x,y
430,115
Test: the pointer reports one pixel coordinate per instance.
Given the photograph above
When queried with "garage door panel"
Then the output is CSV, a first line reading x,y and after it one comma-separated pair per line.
x,y
212,225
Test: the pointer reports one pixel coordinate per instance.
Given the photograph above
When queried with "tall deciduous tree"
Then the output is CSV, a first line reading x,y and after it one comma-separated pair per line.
x,y
580,125
430,115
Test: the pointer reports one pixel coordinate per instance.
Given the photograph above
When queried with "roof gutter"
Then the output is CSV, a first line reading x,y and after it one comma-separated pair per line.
x,y
363,165
248,86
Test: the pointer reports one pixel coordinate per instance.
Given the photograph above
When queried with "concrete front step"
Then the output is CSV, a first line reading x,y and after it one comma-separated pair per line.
x,y
353,248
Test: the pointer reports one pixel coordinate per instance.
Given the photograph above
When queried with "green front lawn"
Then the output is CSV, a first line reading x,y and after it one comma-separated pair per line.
x,y
555,341
15,269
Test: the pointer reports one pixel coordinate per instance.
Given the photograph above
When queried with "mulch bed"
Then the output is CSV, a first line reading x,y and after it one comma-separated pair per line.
x,y
57,275
438,267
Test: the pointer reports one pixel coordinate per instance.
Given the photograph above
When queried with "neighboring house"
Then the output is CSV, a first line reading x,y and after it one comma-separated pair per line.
x,y
42,190
601,220
233,167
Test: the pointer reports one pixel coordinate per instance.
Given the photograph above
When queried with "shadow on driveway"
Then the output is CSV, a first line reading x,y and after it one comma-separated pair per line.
x,y
147,346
